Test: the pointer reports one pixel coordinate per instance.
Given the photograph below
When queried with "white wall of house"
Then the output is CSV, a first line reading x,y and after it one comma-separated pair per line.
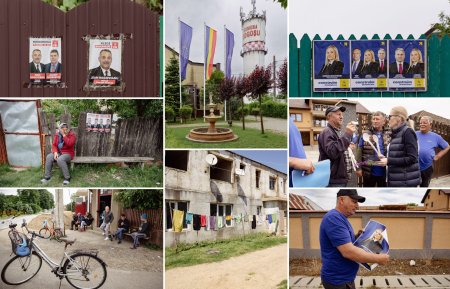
x,y
193,184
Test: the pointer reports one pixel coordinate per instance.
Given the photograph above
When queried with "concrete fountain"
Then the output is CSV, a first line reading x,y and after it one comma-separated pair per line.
x,y
211,134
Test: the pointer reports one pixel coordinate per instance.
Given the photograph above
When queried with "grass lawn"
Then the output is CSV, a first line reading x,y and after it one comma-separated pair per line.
x,y
194,254
248,138
95,175
282,285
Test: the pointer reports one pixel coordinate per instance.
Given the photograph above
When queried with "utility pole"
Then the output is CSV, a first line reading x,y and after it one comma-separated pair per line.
x,y
59,210
274,79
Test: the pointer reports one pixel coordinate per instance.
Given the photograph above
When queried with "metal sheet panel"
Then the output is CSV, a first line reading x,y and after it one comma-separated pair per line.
x,y
19,116
23,150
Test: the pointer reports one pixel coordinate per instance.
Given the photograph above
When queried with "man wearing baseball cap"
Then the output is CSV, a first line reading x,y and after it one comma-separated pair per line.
x,y
62,153
333,146
339,255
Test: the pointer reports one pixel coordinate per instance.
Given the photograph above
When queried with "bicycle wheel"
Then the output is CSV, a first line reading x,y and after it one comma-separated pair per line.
x,y
85,271
19,270
45,233
58,234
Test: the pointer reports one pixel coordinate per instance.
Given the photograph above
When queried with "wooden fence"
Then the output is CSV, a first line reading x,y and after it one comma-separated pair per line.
x,y
300,69
155,217
22,19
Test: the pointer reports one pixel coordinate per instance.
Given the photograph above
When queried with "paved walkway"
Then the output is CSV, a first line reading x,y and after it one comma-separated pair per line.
x,y
393,282
272,124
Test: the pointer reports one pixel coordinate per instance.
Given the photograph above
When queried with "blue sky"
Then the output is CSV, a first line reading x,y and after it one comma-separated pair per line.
x,y
276,159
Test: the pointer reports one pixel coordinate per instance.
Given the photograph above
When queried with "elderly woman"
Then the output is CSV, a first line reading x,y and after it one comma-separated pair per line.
x,y
332,65
416,66
402,158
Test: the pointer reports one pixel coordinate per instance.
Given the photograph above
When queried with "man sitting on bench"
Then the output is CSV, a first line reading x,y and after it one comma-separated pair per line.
x,y
123,226
144,229
87,221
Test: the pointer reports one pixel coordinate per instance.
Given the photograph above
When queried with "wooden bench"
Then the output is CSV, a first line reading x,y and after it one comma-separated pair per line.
x,y
147,238
110,160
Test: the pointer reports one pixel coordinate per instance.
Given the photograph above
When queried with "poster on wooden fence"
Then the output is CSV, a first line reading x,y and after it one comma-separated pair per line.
x,y
369,65
45,60
407,70
98,122
105,62
331,65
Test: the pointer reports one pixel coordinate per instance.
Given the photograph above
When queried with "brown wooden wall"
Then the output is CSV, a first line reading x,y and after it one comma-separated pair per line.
x,y
22,19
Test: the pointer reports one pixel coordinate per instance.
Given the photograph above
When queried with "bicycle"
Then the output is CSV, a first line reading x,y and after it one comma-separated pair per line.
x,y
47,232
79,267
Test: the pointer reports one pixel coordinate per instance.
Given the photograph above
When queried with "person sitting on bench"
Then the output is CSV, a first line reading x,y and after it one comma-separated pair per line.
x,y
87,221
76,221
144,229
123,226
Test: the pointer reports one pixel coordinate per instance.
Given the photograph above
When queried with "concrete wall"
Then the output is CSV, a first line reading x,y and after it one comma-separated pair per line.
x,y
411,234
194,186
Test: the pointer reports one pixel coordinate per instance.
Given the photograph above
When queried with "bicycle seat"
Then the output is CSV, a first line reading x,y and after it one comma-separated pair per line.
x,y
12,226
68,242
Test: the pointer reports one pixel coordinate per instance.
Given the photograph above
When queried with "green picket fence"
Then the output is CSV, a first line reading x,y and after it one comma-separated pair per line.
x,y
300,68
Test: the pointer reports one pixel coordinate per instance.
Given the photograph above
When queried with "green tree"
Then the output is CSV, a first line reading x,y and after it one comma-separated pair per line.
x,y
213,86
130,108
140,199
283,3
29,196
172,81
444,24
66,5
73,106
46,200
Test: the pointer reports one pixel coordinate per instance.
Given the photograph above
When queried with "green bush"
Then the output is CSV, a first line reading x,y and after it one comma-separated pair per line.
x,y
170,114
255,112
239,111
35,208
274,109
185,112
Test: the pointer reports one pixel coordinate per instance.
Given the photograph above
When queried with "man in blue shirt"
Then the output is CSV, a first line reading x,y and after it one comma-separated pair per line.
x,y
428,142
339,255
297,155
373,176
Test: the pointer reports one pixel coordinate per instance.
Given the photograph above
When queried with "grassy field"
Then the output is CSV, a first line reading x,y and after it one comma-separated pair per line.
x,y
248,138
282,285
194,254
95,175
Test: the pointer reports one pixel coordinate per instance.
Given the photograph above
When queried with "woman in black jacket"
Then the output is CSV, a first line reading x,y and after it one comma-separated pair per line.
x,y
403,155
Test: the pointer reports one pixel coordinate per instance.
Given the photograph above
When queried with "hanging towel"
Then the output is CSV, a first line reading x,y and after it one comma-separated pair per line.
x,y
203,220
246,218
189,218
228,218
274,218
177,221
269,217
212,222
254,222
219,222
196,222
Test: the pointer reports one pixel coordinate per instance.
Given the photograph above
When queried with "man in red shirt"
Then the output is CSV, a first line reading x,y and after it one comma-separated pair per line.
x,y
62,153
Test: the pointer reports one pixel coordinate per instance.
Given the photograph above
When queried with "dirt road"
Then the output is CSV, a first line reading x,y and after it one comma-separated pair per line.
x,y
261,269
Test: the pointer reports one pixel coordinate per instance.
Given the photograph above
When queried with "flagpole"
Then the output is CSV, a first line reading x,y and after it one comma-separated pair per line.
x,y
179,62
225,61
204,72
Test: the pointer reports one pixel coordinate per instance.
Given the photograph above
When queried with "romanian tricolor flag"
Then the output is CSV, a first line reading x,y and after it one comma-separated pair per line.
x,y
210,47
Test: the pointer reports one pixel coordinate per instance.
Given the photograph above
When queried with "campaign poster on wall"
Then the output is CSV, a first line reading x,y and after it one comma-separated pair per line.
x,y
369,65
45,60
331,65
98,122
105,62
408,67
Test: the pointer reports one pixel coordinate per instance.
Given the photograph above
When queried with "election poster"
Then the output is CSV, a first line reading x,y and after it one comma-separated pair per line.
x,y
105,62
374,239
45,60
369,65
98,122
331,65
408,67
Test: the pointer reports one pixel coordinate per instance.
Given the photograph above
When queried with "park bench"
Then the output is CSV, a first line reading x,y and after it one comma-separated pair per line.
x,y
147,238
109,160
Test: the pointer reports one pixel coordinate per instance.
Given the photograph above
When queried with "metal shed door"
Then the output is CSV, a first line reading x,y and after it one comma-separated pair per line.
x,y
21,133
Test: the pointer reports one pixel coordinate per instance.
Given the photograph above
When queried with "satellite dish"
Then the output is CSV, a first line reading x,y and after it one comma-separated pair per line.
x,y
211,159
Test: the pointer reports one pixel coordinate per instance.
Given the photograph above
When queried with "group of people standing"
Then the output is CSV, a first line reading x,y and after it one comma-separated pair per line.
x,y
389,153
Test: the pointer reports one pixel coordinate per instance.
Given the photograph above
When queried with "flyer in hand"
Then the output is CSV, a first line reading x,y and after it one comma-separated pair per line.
x,y
374,239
